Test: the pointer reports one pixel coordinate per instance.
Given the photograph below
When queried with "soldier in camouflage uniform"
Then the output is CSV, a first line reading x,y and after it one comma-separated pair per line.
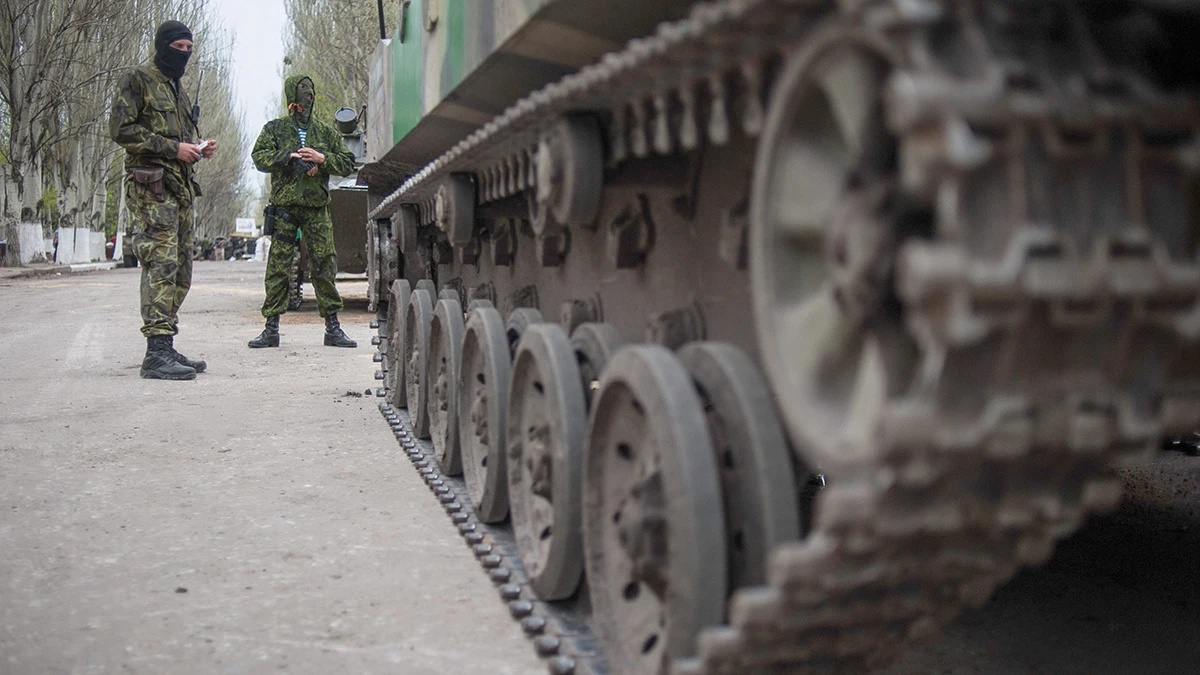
x,y
300,152
151,119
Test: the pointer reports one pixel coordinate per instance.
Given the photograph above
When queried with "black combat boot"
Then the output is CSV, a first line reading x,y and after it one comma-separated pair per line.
x,y
198,366
334,336
160,363
270,335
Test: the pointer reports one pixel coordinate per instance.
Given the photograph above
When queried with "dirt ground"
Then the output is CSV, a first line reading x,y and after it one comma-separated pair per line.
x,y
260,520
257,519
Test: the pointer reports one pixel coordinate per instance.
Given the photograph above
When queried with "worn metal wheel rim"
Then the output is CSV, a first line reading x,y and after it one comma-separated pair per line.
x,y
373,254
577,201
406,223
416,362
540,218
397,314
455,207
389,262
647,403
547,422
594,345
428,286
450,294
520,320
830,374
484,376
445,353
752,456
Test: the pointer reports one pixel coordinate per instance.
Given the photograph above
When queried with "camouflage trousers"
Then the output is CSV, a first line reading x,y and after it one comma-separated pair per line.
x,y
162,242
317,230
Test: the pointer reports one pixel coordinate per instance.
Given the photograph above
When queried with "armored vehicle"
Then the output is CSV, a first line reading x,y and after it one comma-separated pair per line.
x,y
644,270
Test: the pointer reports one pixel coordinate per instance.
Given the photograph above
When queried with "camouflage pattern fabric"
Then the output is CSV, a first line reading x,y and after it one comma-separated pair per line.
x,y
163,243
149,120
290,185
322,260
304,198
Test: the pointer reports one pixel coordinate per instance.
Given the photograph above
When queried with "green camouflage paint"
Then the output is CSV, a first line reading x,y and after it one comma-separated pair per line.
x,y
515,46
406,56
428,64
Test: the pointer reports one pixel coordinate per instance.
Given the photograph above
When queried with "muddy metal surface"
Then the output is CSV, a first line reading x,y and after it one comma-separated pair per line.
x,y
1121,597
276,498
255,520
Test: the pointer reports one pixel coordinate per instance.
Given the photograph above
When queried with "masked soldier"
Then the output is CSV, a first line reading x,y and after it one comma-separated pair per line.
x,y
152,120
300,153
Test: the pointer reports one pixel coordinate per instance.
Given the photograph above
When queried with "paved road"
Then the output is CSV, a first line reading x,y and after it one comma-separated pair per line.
x,y
306,545
255,520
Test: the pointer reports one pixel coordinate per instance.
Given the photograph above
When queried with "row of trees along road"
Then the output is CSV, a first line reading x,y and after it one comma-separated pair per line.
x,y
59,64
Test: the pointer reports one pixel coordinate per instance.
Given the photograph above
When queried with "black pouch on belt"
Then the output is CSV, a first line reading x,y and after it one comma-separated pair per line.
x,y
151,178
269,221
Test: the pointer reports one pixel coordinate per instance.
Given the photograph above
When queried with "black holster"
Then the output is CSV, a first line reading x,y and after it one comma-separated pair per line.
x,y
270,213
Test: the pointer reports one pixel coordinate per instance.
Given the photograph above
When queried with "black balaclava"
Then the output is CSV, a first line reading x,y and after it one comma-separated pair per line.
x,y
169,60
300,103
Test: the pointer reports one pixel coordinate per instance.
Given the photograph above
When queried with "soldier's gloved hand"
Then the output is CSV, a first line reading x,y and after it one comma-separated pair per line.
x,y
187,153
303,164
311,155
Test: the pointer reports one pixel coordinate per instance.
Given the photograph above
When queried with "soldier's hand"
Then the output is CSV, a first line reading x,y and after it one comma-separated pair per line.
x,y
211,148
187,153
313,171
311,155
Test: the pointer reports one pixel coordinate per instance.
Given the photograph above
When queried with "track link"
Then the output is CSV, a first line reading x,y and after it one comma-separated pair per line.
x,y
559,631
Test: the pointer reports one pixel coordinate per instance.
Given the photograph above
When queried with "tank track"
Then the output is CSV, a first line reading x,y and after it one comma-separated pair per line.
x,y
559,630
957,498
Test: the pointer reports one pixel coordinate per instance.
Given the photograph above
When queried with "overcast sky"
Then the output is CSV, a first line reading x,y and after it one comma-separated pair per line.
x,y
257,55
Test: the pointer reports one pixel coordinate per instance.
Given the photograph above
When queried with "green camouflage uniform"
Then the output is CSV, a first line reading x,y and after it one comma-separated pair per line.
x,y
149,119
304,199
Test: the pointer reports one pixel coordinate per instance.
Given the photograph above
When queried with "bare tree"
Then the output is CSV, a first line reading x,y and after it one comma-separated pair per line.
x,y
332,40
40,42
227,192
59,64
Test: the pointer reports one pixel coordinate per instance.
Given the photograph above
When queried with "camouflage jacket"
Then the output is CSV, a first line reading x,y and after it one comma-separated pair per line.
x,y
291,185
149,120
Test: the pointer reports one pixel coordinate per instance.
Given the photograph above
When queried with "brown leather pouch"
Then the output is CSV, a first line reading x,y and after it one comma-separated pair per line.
x,y
151,178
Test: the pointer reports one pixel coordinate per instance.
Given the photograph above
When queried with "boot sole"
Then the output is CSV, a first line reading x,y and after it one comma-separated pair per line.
x,y
273,343
155,375
329,343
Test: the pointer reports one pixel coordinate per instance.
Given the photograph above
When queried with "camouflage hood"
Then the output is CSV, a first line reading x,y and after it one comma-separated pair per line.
x,y
294,96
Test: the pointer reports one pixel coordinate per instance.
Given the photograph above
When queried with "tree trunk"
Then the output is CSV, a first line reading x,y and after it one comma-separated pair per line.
x,y
10,221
